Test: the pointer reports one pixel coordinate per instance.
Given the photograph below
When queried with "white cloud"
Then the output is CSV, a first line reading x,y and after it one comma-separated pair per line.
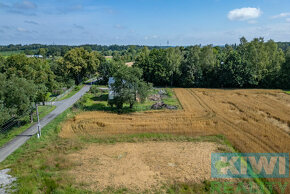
x,y
281,15
287,19
245,13
19,29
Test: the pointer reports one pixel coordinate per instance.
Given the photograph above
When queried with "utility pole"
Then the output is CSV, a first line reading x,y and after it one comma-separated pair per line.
x,y
38,123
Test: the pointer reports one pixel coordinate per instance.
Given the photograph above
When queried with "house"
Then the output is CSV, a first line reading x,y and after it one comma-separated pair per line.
x,y
34,56
129,64
111,93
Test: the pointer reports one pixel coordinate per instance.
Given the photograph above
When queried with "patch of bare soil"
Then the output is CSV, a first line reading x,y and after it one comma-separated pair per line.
x,y
142,166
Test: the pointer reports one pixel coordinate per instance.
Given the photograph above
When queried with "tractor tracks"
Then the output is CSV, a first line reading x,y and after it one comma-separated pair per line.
x,y
263,144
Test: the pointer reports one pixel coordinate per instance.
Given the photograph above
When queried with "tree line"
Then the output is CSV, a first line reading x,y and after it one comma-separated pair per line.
x,y
61,50
254,64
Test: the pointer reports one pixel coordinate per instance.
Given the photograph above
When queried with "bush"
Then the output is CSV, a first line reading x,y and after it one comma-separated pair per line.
x,y
77,88
94,90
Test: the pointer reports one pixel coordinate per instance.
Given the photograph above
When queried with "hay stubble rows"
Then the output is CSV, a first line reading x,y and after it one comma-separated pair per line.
x,y
252,120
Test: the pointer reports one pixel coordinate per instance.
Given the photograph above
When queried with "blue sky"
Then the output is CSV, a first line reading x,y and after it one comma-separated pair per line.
x,y
146,22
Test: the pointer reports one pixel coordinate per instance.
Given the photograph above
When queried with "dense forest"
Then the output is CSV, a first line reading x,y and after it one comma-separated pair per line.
x,y
255,64
25,81
60,50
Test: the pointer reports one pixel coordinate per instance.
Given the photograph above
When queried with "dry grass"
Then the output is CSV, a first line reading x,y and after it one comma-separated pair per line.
x,y
142,166
252,120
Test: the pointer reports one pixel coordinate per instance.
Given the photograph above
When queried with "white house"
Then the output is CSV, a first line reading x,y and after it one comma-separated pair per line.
x,y
111,92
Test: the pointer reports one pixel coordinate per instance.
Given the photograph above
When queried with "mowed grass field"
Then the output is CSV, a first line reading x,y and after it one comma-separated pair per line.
x,y
153,151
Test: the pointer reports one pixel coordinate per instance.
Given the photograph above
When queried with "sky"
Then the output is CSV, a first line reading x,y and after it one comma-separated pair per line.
x,y
142,22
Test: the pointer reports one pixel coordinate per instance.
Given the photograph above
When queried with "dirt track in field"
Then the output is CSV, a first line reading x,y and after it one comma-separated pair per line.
x,y
252,120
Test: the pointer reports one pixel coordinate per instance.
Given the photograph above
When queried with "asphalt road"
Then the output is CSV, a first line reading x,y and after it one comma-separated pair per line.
x,y
19,140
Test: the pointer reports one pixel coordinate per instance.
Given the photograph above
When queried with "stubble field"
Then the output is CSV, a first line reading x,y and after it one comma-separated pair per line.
x,y
252,120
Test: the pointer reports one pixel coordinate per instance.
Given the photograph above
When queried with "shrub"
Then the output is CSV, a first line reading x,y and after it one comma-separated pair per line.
x,y
94,90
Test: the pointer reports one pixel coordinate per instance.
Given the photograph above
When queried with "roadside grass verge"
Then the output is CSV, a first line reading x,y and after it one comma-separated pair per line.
x,y
71,93
99,102
8,135
37,164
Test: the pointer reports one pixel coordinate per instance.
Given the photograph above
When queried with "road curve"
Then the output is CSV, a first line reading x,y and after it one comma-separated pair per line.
x,y
19,140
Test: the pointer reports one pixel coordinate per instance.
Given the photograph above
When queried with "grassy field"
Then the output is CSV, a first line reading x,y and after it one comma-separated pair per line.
x,y
8,53
10,134
287,91
99,102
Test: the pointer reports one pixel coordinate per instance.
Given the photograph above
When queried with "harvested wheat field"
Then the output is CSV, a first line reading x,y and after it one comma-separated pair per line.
x,y
142,166
252,120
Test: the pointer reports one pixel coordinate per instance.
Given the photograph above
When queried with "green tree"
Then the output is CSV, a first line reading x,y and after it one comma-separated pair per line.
x,y
79,63
4,111
207,61
18,95
233,72
191,68
285,72
42,94
42,51
153,64
107,69
2,62
34,69
172,63
128,86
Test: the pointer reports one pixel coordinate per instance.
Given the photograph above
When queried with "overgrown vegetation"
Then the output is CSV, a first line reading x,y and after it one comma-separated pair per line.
x,y
37,163
8,135
128,87
97,100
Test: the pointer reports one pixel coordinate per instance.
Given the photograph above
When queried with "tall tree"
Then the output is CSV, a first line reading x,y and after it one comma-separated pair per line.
x,y
191,68
18,95
128,86
172,63
233,72
285,72
79,63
